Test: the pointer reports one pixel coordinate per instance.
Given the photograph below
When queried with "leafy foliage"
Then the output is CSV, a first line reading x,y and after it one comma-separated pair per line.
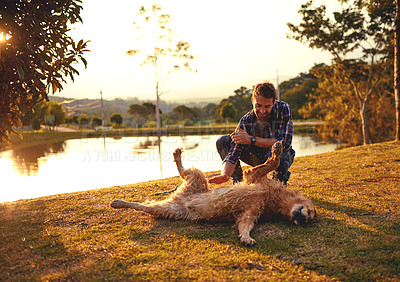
x,y
228,111
335,104
116,118
185,112
47,113
96,121
141,113
37,56
359,26
296,91
241,102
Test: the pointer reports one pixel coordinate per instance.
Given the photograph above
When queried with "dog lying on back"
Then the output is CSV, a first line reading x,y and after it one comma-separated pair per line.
x,y
256,197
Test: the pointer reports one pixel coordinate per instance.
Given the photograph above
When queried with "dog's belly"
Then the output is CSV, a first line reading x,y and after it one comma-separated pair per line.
x,y
210,206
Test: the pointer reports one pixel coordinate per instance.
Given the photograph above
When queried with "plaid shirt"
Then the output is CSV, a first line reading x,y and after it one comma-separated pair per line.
x,y
279,126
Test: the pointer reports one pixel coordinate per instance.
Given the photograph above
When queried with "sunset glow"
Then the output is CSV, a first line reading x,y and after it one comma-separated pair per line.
x,y
235,43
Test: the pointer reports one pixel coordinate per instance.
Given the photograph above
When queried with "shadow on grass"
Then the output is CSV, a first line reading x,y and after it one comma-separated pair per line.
x,y
28,248
85,240
342,242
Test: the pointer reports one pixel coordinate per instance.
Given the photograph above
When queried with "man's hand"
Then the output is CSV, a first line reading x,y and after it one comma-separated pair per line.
x,y
241,137
219,179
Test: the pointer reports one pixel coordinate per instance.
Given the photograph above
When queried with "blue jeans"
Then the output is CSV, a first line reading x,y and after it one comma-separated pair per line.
x,y
255,156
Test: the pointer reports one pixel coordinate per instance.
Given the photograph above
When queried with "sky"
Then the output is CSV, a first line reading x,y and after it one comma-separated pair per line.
x,y
236,43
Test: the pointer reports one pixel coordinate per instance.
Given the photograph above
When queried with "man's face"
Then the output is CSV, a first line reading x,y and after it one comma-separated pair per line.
x,y
262,106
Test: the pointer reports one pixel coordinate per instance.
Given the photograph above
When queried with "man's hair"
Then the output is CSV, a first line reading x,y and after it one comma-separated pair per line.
x,y
265,89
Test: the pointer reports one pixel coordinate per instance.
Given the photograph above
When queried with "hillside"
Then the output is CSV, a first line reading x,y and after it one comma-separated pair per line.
x,y
78,236
92,107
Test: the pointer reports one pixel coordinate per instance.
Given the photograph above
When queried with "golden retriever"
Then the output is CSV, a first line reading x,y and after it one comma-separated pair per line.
x,y
256,197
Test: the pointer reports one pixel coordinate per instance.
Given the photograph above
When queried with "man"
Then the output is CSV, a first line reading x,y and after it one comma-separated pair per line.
x,y
268,122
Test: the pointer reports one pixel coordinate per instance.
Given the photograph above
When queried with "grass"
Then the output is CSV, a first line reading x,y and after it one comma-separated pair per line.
x,y
355,236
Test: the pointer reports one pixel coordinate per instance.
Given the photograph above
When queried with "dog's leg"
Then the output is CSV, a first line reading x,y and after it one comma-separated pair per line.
x,y
119,204
255,174
163,209
245,223
178,160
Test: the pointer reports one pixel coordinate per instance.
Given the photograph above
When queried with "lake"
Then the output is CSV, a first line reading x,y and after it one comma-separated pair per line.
x,y
90,163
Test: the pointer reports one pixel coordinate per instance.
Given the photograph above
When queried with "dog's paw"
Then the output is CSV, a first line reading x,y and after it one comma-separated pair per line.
x,y
246,240
177,154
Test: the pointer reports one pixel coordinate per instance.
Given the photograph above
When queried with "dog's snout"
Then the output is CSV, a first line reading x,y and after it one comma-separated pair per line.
x,y
298,216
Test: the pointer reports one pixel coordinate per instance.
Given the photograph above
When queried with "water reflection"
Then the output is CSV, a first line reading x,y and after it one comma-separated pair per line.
x,y
26,160
90,163
146,144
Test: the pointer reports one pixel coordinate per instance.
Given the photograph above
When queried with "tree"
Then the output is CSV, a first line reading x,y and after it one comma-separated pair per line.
x,y
75,119
35,124
241,101
83,120
361,25
165,56
96,121
143,112
138,111
150,109
228,111
334,103
56,111
208,111
184,112
36,55
296,91
243,92
397,68
116,118
48,113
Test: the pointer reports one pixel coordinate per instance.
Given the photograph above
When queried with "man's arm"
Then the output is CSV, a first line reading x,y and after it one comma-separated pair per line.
x,y
227,170
239,137
242,137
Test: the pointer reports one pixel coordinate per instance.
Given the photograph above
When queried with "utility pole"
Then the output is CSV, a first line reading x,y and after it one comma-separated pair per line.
x,y
102,108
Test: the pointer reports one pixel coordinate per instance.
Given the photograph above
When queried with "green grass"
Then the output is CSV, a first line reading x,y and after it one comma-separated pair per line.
x,y
355,236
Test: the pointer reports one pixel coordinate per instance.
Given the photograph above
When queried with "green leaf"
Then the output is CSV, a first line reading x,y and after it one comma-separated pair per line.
x,y
20,70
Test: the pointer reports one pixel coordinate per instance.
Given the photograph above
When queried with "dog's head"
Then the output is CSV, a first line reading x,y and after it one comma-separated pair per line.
x,y
303,212
277,148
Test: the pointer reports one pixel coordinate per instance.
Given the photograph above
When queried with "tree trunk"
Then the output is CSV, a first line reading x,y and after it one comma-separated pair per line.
x,y
366,138
397,68
362,104
158,114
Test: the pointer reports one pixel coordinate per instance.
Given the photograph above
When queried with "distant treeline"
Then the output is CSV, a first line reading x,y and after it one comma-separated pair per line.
x,y
309,95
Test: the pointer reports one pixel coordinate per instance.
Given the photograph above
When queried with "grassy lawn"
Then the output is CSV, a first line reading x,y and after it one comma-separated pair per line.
x,y
356,235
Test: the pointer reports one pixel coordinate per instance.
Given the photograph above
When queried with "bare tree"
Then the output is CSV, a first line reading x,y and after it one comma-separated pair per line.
x,y
164,55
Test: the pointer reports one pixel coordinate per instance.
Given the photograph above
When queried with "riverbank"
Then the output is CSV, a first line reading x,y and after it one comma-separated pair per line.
x,y
355,236
29,138
32,138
